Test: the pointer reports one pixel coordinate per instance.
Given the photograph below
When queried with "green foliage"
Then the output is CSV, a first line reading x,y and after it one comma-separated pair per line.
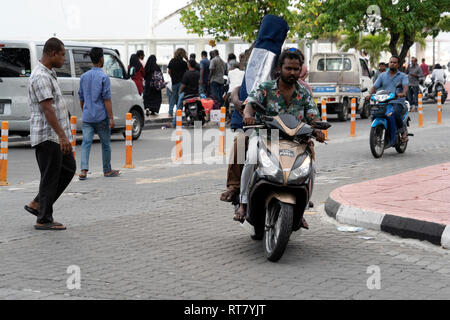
x,y
374,45
444,24
233,18
350,41
404,20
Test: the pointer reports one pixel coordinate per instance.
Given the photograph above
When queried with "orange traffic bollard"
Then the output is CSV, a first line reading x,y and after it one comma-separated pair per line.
x,y
439,108
420,110
353,124
129,142
179,151
223,112
4,155
324,116
73,126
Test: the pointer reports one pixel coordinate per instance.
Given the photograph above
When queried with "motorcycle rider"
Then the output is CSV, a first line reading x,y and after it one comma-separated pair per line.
x,y
389,81
438,74
283,95
189,86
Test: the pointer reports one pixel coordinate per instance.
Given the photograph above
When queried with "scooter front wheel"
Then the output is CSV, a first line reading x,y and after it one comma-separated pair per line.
x,y
377,135
278,229
401,147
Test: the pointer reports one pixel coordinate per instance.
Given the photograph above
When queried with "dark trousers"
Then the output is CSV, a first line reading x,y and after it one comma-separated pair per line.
x,y
57,170
217,92
413,95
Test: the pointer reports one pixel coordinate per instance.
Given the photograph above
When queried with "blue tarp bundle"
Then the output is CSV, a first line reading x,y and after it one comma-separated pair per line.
x,y
271,36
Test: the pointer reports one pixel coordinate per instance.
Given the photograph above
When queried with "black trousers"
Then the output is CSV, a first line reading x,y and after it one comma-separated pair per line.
x,y
57,170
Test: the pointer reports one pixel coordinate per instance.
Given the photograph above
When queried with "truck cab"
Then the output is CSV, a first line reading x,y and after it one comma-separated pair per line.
x,y
337,78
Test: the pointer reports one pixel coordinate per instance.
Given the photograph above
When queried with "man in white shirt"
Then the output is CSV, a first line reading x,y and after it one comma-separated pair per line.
x,y
438,74
235,77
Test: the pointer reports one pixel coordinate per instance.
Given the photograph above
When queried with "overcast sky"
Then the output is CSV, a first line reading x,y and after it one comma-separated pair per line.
x,y
85,19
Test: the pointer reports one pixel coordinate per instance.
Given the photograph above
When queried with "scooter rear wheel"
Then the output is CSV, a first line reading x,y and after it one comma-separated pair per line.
x,y
278,229
401,147
377,136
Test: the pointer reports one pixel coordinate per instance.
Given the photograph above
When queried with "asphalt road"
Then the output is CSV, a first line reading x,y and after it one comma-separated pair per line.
x,y
160,232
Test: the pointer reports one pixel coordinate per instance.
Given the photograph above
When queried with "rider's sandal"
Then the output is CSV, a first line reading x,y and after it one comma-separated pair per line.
x,y
240,217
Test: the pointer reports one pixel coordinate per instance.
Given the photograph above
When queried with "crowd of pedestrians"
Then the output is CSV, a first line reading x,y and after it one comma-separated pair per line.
x,y
217,78
50,130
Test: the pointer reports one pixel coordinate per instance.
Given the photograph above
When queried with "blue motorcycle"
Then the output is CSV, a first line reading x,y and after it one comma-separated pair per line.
x,y
384,133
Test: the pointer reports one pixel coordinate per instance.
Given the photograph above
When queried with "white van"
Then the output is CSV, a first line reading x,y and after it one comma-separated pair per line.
x,y
19,58
339,77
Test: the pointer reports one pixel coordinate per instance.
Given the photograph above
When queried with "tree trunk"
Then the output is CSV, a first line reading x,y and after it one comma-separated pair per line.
x,y
408,42
393,43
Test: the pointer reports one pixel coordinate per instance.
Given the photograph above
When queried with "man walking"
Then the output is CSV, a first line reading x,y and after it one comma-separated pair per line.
x,y
414,73
425,68
216,72
50,135
204,73
96,106
177,67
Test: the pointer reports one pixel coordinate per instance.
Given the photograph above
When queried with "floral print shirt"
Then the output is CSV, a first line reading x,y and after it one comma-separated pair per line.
x,y
301,105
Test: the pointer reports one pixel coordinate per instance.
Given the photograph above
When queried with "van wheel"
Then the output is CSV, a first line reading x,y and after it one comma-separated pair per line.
x,y
343,115
365,112
137,125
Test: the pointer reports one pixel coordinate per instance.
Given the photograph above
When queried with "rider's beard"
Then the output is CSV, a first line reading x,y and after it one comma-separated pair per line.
x,y
290,80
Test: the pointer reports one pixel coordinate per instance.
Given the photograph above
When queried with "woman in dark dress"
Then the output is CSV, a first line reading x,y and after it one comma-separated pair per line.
x,y
152,96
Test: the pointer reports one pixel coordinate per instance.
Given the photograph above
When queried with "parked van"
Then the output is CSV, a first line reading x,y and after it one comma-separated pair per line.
x,y
339,77
19,58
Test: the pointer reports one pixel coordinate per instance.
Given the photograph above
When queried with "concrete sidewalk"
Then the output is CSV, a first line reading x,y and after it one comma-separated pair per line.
x,y
160,120
414,204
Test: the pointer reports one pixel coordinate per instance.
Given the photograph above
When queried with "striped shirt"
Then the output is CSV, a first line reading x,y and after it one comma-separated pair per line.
x,y
43,85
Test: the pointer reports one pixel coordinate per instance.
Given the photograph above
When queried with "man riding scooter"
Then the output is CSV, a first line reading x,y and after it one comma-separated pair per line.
x,y
283,95
389,81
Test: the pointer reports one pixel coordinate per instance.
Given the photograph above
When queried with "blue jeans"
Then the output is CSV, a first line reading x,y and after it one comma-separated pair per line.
x,y
174,97
179,107
217,92
104,133
398,111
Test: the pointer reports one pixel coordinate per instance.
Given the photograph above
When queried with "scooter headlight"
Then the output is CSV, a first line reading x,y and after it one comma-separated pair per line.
x,y
269,167
302,172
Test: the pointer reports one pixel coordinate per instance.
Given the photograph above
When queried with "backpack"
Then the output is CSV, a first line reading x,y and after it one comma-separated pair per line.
x,y
158,81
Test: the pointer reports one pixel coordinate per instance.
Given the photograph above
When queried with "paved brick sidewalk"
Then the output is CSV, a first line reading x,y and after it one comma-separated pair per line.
x,y
414,204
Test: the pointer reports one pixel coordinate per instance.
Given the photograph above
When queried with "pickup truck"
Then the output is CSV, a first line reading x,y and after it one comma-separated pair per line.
x,y
337,78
